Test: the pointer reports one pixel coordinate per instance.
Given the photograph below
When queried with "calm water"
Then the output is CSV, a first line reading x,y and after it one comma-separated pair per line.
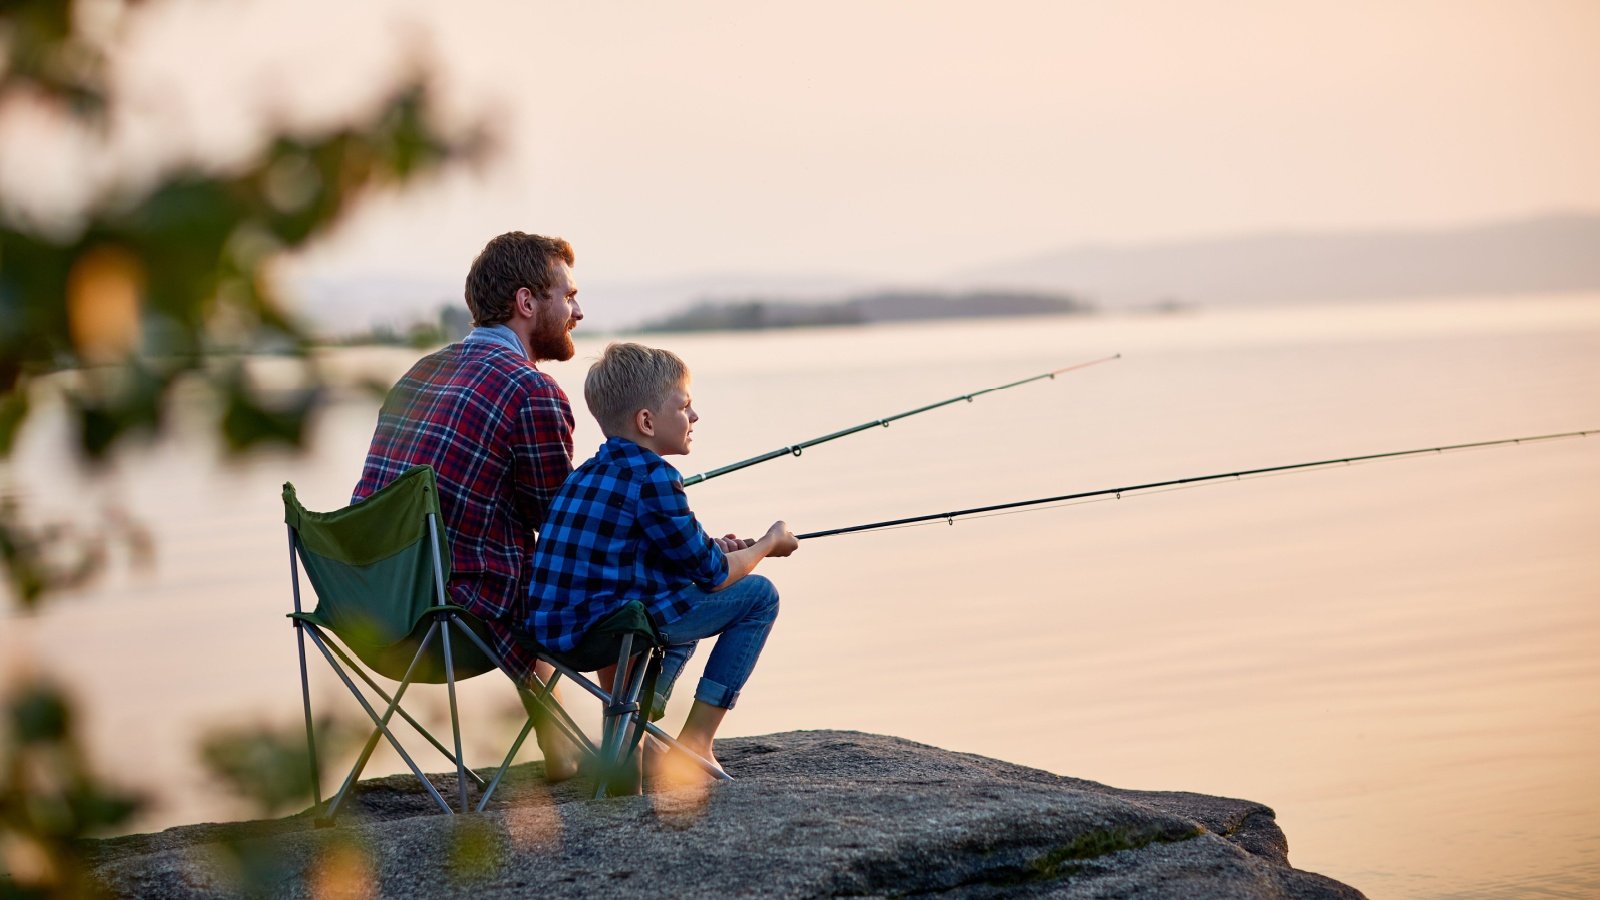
x,y
1398,657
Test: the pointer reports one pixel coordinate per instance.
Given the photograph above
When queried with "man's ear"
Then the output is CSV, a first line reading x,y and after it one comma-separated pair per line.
x,y
523,301
645,422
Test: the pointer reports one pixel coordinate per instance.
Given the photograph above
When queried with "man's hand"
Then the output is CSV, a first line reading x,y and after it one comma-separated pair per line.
x,y
731,542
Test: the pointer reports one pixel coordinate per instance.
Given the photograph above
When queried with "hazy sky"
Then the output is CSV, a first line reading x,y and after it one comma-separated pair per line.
x,y
894,140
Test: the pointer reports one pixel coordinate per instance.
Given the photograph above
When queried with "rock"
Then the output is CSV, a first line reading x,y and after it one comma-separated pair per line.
x,y
812,813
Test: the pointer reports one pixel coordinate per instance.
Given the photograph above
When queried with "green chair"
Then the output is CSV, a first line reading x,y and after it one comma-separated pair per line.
x,y
379,569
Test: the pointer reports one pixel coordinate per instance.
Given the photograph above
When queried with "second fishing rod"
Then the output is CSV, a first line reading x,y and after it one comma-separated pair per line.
x,y
1193,480
797,449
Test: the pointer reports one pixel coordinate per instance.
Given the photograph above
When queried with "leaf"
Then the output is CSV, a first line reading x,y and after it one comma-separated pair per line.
x,y
39,714
13,411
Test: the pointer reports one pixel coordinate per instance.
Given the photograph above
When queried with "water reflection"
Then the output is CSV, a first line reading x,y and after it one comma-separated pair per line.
x,y
1398,658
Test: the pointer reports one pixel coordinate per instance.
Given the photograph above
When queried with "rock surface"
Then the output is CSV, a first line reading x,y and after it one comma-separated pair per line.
x,y
818,813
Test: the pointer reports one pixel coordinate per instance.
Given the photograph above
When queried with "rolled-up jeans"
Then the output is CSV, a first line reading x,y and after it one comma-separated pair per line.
x,y
740,616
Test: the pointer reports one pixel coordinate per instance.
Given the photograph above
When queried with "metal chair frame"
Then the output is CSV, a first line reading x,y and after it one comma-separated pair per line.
x,y
444,615
623,724
626,721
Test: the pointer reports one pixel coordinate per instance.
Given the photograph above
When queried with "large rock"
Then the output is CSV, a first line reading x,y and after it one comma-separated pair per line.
x,y
815,813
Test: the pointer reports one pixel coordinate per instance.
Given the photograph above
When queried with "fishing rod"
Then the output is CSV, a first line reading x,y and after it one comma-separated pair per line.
x,y
1177,482
796,449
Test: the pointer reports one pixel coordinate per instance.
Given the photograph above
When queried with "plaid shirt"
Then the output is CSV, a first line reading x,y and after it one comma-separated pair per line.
x,y
498,433
619,530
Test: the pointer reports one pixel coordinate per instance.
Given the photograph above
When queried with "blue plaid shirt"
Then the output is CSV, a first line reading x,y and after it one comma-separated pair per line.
x,y
619,529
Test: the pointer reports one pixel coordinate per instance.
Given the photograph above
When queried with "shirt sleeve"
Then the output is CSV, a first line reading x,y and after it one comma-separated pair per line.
x,y
673,531
541,450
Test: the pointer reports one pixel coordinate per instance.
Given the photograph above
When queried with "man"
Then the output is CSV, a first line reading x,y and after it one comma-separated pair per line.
x,y
498,434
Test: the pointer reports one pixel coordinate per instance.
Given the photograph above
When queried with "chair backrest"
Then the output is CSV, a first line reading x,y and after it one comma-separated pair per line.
x,y
373,566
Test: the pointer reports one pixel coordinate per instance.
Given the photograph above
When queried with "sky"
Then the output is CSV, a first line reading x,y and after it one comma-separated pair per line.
x,y
880,140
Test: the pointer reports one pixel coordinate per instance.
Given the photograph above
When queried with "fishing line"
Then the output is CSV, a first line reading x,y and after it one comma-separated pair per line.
x,y
1115,498
1118,493
797,449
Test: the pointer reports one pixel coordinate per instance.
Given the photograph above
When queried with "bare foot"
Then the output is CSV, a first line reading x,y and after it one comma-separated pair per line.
x,y
667,768
561,757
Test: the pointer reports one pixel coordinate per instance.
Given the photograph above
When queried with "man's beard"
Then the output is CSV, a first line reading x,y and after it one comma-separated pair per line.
x,y
554,342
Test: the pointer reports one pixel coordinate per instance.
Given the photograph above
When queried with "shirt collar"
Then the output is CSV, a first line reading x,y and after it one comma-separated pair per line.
x,y
622,448
497,334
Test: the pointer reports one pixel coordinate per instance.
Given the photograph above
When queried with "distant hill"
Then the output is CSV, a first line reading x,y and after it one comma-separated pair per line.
x,y
1547,254
884,306
1551,253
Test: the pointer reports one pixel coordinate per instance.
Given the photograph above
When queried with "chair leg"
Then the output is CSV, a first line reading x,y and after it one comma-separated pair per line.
x,y
544,700
650,728
651,681
541,700
578,679
381,723
305,685
455,718
559,716
505,764
393,707
305,697
400,711
542,697
611,732
637,707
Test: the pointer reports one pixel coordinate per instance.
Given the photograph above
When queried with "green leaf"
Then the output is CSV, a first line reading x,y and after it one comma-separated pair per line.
x,y
39,714
13,411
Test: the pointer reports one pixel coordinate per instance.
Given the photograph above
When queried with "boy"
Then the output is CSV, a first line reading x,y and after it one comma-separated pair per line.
x,y
620,529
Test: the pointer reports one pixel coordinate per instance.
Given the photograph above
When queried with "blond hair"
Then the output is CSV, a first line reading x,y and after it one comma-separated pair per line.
x,y
627,378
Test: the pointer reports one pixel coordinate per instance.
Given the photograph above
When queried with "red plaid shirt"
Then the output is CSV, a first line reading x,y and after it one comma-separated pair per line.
x,y
498,433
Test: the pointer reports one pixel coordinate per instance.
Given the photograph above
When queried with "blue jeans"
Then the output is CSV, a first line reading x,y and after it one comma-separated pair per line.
x,y
740,616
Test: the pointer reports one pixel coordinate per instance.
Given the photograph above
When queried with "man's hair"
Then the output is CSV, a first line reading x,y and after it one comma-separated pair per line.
x,y
627,378
512,260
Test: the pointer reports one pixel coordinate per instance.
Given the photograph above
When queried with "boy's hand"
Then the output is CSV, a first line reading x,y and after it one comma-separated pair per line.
x,y
728,543
783,540
778,541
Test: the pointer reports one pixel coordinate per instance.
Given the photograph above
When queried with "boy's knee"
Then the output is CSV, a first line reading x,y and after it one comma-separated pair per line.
x,y
765,593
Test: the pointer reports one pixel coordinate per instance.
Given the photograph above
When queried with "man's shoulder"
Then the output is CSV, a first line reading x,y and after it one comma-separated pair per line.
x,y
485,367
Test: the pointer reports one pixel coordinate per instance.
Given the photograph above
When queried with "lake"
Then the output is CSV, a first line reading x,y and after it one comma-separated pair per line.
x,y
1398,657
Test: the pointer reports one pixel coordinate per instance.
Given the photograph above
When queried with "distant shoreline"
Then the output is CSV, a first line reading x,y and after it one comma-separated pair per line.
x,y
761,313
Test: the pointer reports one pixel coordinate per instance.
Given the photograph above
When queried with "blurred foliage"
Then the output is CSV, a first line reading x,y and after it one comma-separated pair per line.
x,y
62,555
268,766
155,289
342,868
48,54
167,281
48,797
478,849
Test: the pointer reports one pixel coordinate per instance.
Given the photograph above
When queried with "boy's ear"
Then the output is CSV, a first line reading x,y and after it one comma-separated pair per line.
x,y
645,422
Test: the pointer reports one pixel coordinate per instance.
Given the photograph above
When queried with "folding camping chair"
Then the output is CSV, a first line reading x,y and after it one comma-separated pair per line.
x,y
631,641
378,569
